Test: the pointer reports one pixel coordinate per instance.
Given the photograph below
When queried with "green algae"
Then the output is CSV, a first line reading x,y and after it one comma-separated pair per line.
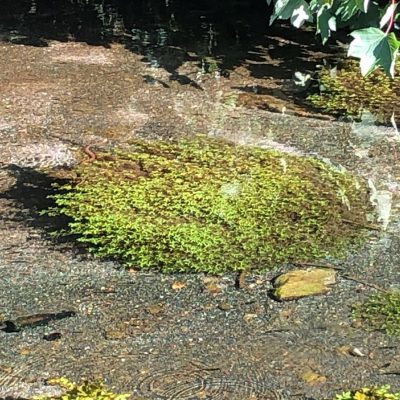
x,y
380,312
209,205
347,92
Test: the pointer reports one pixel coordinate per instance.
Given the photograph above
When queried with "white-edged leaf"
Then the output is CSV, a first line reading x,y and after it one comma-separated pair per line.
x,y
323,17
349,8
301,79
361,5
388,13
332,23
285,9
300,15
374,48
280,10
314,5
365,5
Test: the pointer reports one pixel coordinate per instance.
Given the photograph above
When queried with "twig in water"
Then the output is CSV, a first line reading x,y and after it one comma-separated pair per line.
x,y
352,278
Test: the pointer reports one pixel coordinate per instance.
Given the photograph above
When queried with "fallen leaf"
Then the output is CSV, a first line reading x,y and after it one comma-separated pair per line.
x,y
213,288
24,351
178,285
313,378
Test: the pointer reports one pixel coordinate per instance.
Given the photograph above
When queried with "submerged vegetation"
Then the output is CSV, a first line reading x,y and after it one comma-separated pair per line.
x,y
370,393
209,205
83,391
347,92
98,391
381,312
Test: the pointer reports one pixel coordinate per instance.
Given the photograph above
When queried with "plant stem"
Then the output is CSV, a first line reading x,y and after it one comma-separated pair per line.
x,y
391,21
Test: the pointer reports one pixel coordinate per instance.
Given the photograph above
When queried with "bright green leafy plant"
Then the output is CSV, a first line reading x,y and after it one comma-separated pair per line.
x,y
208,205
370,393
381,312
83,391
374,41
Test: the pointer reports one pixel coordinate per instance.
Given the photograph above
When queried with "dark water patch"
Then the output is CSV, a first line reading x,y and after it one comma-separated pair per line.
x,y
31,195
213,24
35,22
216,35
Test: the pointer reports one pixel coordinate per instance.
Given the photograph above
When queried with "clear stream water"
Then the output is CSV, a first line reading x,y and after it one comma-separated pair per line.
x,y
202,28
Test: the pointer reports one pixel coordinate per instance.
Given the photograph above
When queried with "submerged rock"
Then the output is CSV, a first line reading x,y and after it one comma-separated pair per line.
x,y
300,283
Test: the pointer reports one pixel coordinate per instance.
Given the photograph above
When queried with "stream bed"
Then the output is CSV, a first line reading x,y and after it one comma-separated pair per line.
x,y
181,336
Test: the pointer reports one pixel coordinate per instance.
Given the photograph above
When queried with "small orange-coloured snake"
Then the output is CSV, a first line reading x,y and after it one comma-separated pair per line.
x,y
92,155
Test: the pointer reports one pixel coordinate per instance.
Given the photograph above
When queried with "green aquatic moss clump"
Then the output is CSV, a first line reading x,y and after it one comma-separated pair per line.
x,y
381,312
83,391
370,393
209,205
347,92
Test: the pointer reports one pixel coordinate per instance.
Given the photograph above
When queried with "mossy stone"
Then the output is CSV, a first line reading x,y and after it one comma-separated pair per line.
x,y
301,283
209,205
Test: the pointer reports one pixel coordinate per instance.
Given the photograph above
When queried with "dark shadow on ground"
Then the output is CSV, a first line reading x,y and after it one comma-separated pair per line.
x,y
262,95
225,33
31,196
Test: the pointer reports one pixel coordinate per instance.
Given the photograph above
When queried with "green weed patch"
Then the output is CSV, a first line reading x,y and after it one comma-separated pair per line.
x,y
381,312
209,205
83,391
347,92
370,393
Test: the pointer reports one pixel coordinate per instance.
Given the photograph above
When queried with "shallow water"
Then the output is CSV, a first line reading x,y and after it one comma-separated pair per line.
x,y
135,329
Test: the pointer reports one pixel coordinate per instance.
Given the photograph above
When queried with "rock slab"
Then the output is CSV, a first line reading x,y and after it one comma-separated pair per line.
x,y
303,282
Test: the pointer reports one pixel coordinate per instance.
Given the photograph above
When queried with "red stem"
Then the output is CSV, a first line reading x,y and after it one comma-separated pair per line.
x,y
391,20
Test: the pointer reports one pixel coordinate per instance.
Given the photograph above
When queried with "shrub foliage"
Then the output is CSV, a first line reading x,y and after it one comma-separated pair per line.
x,y
208,205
